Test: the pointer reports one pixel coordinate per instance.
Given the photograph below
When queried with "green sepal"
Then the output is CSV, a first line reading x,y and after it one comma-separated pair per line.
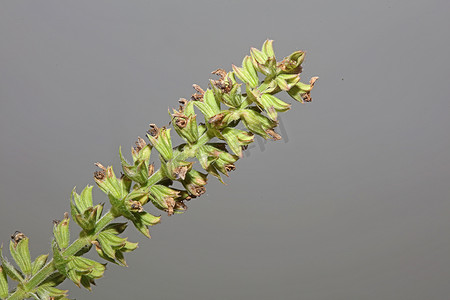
x,y
211,101
10,270
270,100
88,218
86,282
21,254
137,172
256,122
54,279
282,83
107,245
61,233
100,251
194,182
120,207
196,177
259,56
225,118
186,126
208,107
202,156
299,91
267,48
256,97
4,290
49,292
272,105
236,139
163,143
110,246
142,221
86,266
234,98
292,63
116,188
159,194
213,157
84,200
141,154
38,263
247,73
58,260
115,228
83,270
140,195
175,170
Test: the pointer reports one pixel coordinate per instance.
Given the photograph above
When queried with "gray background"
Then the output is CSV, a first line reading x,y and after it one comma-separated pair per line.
x,y
354,206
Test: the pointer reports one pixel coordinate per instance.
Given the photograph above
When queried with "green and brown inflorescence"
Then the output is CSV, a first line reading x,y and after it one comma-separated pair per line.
x,y
224,105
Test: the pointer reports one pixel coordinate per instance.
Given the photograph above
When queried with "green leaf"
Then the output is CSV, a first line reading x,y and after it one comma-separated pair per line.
x,y
38,263
21,255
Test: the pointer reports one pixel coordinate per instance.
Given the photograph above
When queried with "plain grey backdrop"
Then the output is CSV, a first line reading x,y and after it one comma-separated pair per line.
x,y
356,205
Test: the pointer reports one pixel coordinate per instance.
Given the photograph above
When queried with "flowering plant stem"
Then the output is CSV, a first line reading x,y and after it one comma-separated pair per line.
x,y
255,107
